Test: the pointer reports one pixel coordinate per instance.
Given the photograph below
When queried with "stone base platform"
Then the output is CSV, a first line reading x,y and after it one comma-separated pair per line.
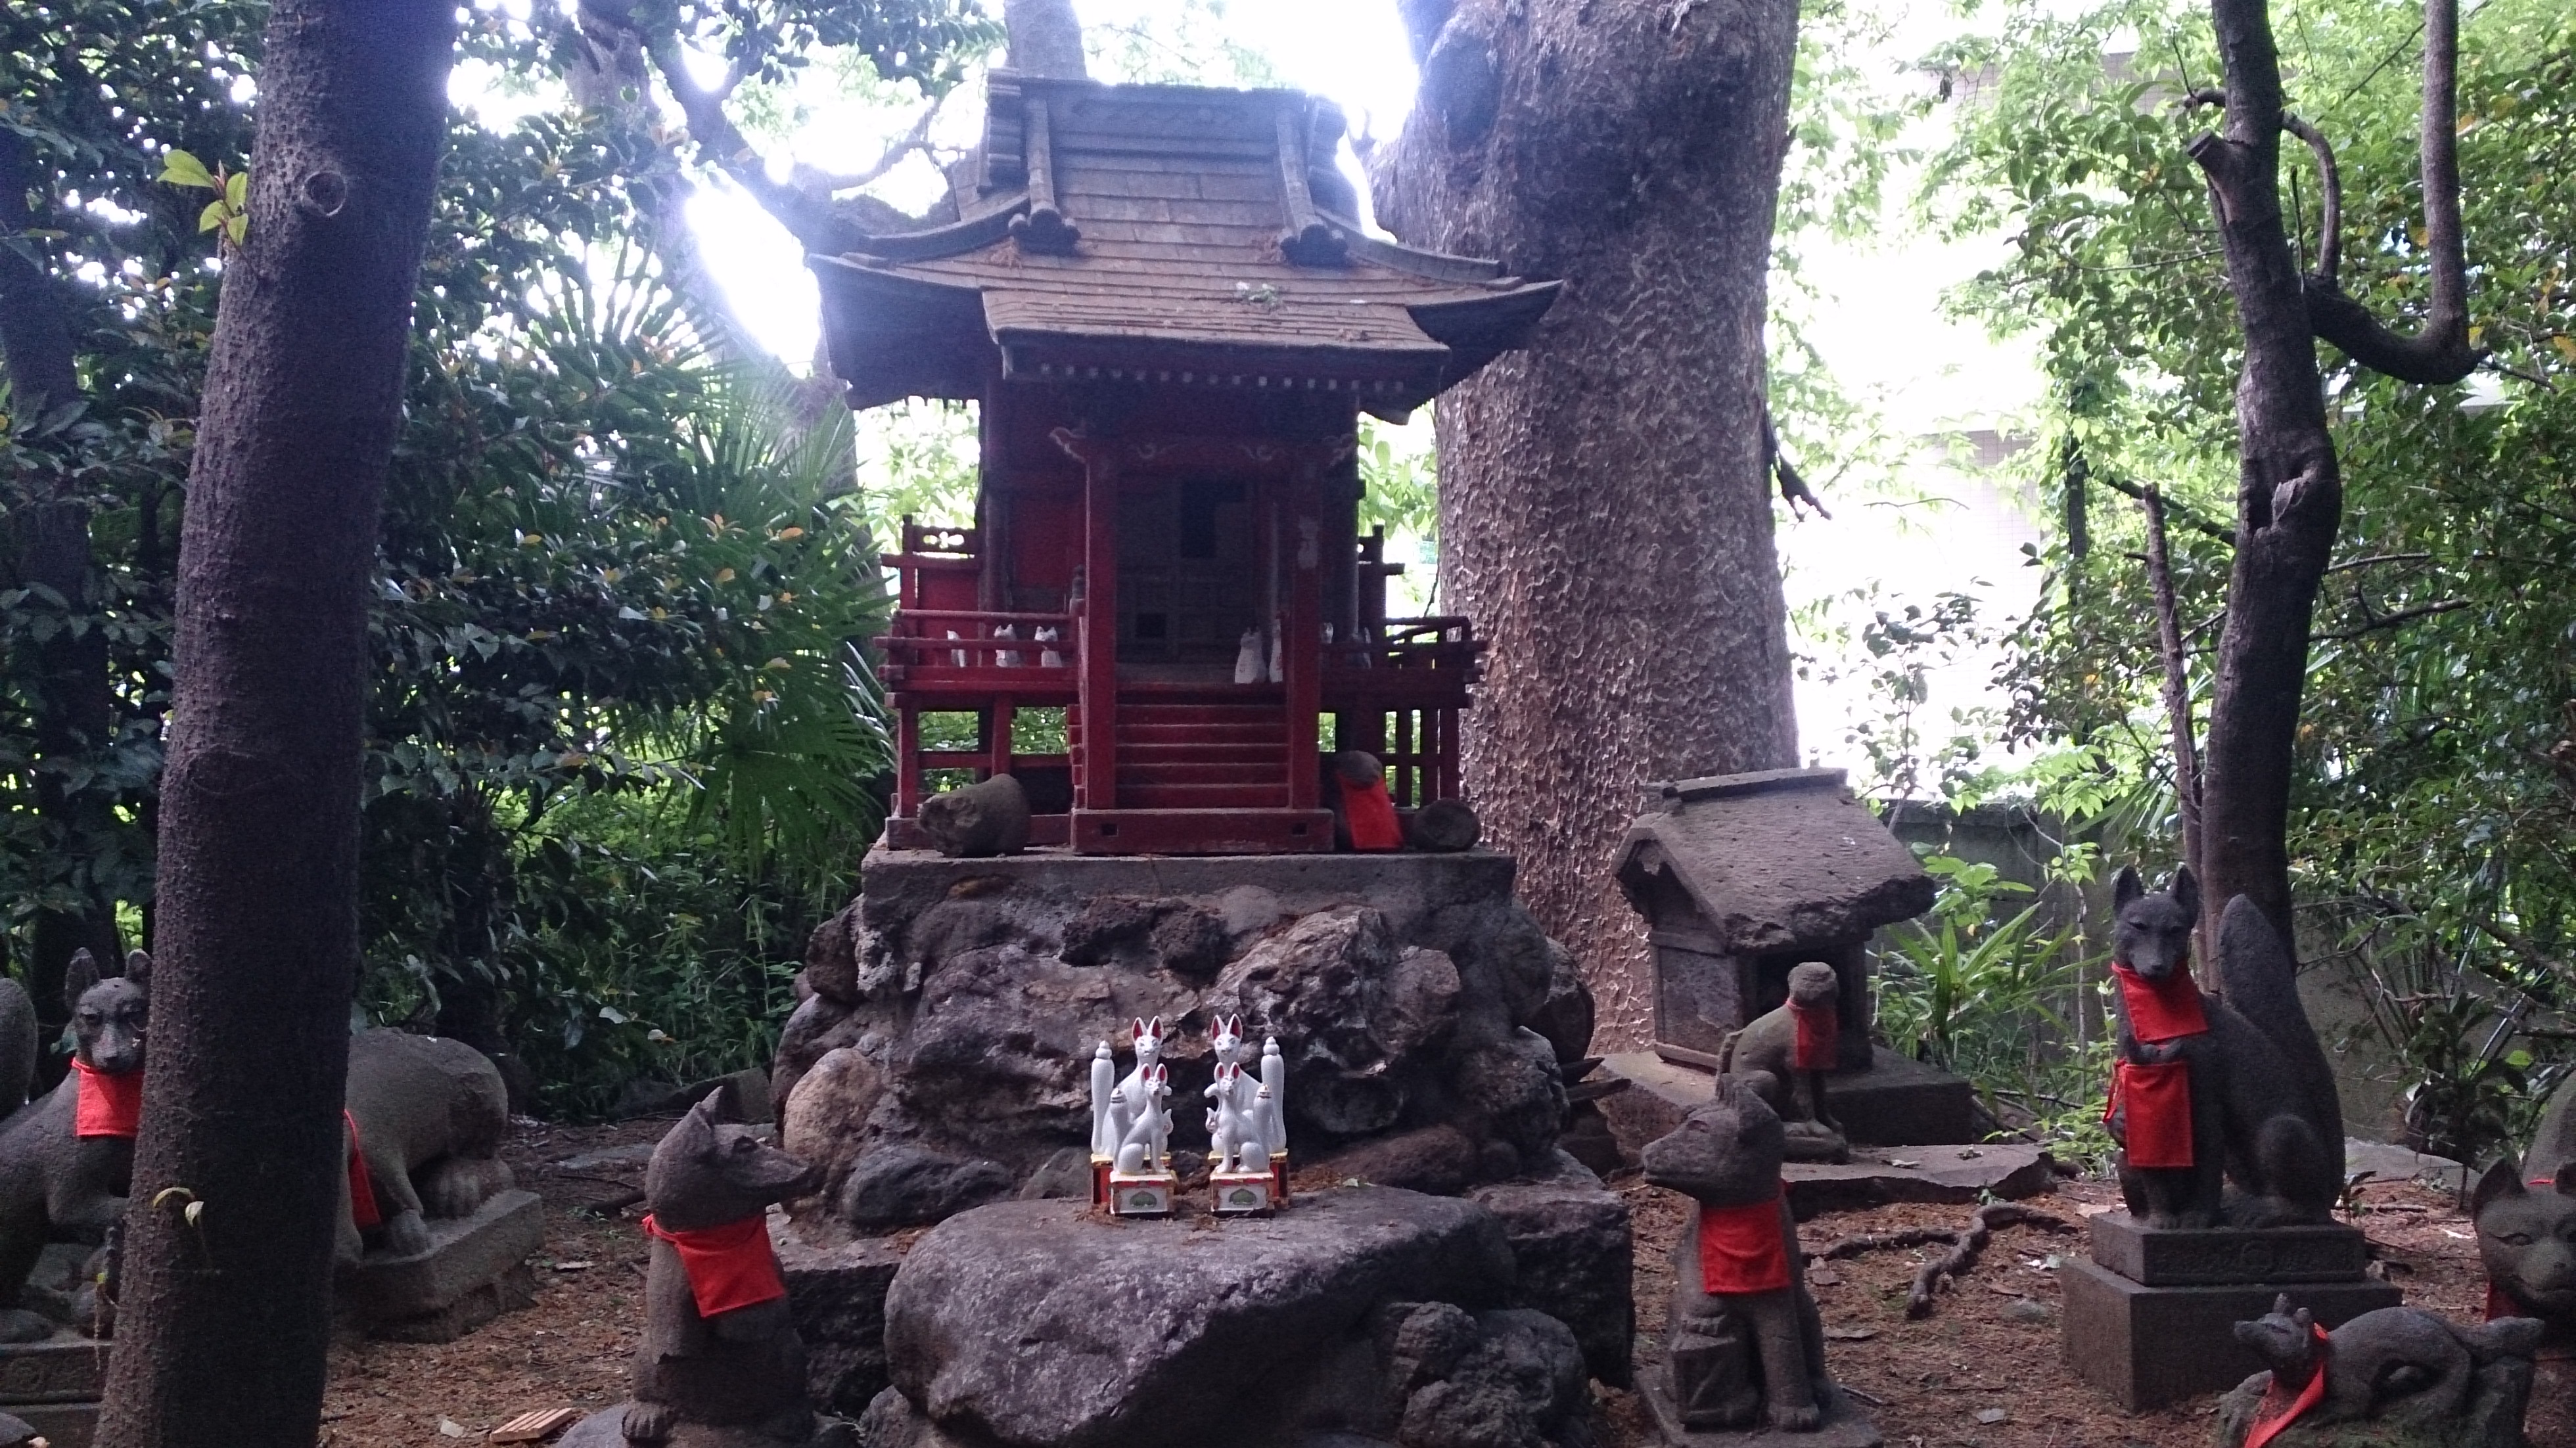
x,y
2148,1346
1845,1426
54,1387
2228,1256
836,1290
1898,1101
475,1270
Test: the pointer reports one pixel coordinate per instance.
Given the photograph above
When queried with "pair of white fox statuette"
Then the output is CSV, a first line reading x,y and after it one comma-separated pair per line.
x,y
1131,1123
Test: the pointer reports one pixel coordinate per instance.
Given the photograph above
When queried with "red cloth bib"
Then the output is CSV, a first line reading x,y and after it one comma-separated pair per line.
x,y
2499,1305
2160,1010
1742,1249
108,1103
2280,1408
362,1186
1371,815
730,1266
1820,1030
2157,1097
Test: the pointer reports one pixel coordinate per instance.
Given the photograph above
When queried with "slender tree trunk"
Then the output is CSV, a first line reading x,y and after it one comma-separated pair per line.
x,y
2289,492
1605,512
225,1318
49,545
1045,38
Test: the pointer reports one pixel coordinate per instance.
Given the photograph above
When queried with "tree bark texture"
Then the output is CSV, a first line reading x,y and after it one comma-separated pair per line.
x,y
48,545
1045,38
1605,509
225,1318
2289,492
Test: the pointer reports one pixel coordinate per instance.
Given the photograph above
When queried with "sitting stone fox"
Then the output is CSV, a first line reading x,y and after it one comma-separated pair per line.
x,y
2264,1112
56,1183
732,1378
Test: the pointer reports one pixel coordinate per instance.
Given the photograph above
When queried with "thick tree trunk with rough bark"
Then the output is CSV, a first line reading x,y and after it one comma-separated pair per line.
x,y
1605,509
225,1318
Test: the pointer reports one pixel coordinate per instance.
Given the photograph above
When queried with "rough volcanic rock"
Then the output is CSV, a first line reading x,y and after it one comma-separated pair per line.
x,y
1574,1260
1040,1325
974,992
1517,1384
836,1290
898,1184
1565,1017
826,1112
1436,1159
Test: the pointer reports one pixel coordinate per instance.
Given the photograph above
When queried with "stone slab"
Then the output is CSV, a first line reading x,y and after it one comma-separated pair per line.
x,y
1897,1102
836,1289
468,1266
2390,1163
65,1369
1845,1426
2225,1256
1957,1175
2145,1347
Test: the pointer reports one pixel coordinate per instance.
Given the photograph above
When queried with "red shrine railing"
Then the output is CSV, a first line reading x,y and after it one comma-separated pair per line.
x,y
1395,688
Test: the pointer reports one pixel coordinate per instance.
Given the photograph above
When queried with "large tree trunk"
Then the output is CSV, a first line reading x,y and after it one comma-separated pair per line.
x,y
1605,512
226,1317
48,545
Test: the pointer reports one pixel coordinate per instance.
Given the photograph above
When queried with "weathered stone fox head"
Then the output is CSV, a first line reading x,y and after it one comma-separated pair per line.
x,y
706,1173
2152,933
2286,1340
1726,1153
2527,1236
110,1016
1812,984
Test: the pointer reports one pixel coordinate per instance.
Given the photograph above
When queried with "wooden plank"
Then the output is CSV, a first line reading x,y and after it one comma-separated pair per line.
x,y
535,1425
1097,777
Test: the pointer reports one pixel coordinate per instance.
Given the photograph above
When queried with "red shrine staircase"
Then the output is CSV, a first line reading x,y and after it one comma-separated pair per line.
x,y
1176,752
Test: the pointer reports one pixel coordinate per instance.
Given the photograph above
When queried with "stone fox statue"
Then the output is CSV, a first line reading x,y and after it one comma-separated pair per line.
x,y
1785,1054
2526,1216
427,1115
67,1161
2402,1368
720,1365
1745,1342
2208,1090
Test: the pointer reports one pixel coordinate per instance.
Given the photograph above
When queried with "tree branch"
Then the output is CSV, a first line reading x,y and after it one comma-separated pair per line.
x,y
814,180
2177,688
2330,198
2176,511
1793,488
2367,561
2439,353
2392,620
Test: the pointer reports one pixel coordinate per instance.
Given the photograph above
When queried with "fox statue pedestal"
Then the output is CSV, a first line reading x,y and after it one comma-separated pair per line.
x,y
2150,1318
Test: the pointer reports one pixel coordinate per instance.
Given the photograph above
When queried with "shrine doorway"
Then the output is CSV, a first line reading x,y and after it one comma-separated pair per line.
x,y
1189,575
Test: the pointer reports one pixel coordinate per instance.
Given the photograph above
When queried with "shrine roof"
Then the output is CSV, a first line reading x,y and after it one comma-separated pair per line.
x,y
1785,859
1164,233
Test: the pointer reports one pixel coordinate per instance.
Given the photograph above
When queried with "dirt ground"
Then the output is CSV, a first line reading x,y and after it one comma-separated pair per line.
x,y
1990,1346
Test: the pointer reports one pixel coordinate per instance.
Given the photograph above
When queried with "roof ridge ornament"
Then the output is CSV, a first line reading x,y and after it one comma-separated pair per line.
x,y
1311,239
1043,227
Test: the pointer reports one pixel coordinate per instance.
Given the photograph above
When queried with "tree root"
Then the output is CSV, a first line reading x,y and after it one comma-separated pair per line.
x,y
1964,1244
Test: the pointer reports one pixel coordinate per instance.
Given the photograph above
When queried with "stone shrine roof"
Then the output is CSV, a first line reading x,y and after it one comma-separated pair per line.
x,y
1172,234
1781,860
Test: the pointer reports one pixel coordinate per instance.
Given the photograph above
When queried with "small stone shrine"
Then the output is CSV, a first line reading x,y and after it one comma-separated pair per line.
x,y
2151,1317
1741,879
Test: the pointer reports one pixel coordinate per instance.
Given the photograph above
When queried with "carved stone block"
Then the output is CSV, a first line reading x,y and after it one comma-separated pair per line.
x,y
2227,1256
2148,1346
475,1270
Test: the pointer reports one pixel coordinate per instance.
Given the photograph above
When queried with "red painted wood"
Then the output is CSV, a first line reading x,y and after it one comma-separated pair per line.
x,y
1098,772
1304,550
1202,832
907,751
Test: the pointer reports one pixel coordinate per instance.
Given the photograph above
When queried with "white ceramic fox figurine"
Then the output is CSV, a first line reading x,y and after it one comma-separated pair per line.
x,y
1136,1110
1104,1090
1048,658
1274,1092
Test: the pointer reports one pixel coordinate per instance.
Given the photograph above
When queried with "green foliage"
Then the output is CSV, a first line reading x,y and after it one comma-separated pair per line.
x,y
2427,805
1996,998
622,748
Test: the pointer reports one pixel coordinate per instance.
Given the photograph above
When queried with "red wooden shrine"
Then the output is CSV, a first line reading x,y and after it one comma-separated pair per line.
x,y
1171,325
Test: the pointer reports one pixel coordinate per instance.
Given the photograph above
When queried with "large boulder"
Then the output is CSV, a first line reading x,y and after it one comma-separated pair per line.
x,y
1574,1259
953,1011
1043,1325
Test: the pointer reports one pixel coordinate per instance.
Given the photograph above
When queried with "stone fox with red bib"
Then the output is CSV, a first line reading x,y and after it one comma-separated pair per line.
x,y
2209,1090
67,1160
720,1365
